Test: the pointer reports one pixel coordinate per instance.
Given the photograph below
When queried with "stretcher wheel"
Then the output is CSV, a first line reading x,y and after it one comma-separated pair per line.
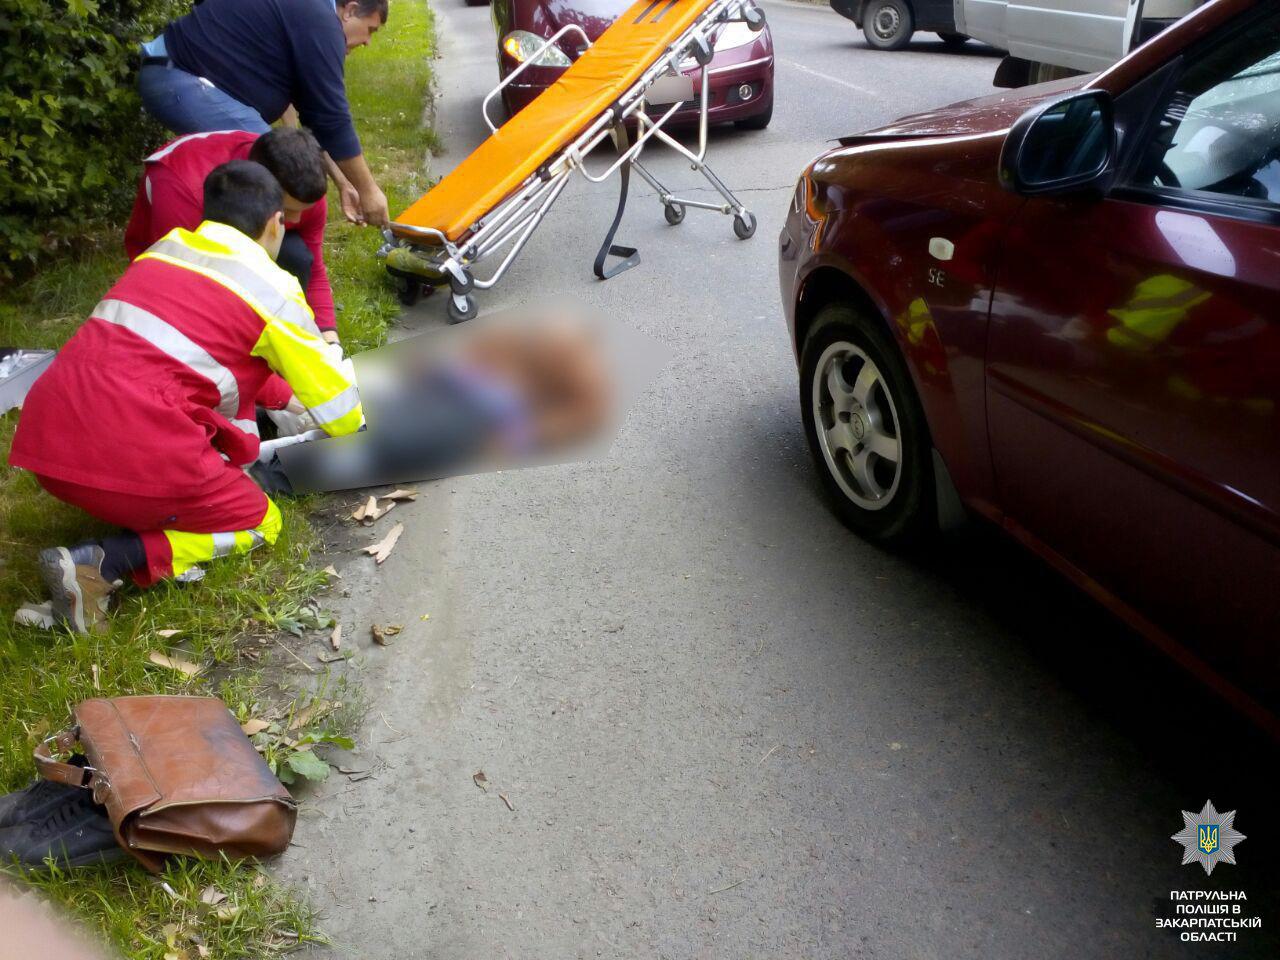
x,y
744,228
674,212
408,291
461,286
467,310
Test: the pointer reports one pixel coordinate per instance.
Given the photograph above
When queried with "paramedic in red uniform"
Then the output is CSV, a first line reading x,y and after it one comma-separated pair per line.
x,y
145,419
171,194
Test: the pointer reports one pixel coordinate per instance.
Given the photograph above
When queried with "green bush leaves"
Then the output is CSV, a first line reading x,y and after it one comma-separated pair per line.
x,y
74,127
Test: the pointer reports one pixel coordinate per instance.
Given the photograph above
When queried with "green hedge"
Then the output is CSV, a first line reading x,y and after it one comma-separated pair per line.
x,y
74,129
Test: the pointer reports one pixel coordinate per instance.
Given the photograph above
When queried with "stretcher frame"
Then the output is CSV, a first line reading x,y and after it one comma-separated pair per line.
x,y
439,261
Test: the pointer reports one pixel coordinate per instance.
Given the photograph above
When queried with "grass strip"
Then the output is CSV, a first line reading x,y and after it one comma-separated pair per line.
x,y
44,675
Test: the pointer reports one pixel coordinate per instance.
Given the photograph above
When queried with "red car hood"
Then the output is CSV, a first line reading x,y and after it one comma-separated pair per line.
x,y
593,16
989,114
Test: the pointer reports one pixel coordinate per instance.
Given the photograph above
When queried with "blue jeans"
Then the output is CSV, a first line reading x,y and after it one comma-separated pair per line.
x,y
189,104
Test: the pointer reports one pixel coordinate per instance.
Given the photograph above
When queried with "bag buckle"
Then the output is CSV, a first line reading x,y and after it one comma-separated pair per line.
x,y
59,744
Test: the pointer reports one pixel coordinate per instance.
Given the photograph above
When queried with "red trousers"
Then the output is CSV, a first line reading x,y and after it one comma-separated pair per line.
x,y
239,505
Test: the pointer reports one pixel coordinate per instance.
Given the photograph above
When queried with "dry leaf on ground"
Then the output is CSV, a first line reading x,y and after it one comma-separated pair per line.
x,y
250,727
503,798
227,913
174,663
480,780
362,512
312,711
381,633
331,571
330,657
167,633
335,638
401,494
212,896
380,551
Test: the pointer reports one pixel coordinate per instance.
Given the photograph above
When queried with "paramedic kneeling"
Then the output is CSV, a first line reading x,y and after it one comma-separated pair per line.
x,y
238,64
146,417
171,194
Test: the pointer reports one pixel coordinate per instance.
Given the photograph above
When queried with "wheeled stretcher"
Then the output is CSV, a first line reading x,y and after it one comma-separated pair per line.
x,y
629,80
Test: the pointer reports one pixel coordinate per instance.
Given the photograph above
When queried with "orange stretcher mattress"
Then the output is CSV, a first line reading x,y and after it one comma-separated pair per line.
x,y
534,135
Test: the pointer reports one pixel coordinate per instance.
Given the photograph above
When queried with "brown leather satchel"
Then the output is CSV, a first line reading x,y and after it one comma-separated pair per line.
x,y
177,775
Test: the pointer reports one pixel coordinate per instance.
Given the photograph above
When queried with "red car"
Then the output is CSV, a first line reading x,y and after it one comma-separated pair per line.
x,y
740,74
1060,308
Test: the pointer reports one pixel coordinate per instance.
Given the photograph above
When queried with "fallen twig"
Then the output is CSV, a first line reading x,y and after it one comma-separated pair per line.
x,y
305,666
736,883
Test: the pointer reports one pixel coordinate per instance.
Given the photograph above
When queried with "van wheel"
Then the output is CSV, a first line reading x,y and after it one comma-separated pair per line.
x,y
888,24
954,41
866,429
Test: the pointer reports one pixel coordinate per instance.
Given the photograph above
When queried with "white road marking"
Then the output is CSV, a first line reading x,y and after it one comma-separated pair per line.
x,y
865,91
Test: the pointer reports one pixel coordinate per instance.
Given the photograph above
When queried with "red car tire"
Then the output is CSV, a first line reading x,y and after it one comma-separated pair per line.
x,y
852,426
756,121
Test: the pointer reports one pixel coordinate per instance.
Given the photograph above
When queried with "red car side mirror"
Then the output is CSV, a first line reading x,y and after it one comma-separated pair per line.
x,y
1064,146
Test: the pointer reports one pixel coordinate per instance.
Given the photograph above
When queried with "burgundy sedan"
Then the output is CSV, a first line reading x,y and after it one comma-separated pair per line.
x,y
1060,309
740,74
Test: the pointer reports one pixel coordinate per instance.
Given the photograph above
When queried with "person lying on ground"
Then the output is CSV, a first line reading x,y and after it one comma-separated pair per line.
x,y
496,394
146,417
171,194
239,65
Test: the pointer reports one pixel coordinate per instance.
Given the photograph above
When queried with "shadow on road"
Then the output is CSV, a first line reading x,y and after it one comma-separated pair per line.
x,y
971,50
1192,737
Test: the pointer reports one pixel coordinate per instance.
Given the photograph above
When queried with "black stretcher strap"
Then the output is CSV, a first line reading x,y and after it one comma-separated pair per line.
x,y
630,256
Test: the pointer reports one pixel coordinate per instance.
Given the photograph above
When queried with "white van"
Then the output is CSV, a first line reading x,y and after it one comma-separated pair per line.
x,y
1048,39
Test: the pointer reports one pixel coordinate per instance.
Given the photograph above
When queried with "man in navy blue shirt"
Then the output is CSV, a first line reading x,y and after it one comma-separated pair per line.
x,y
239,64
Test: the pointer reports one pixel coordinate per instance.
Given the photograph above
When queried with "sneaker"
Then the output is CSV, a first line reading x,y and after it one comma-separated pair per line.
x,y
38,800
77,587
76,833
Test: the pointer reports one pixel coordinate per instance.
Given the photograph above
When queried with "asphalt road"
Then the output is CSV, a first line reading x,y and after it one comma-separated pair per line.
x,y
729,728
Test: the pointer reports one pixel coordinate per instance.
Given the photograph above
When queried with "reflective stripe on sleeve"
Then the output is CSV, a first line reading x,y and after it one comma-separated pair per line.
x,y
337,408
321,380
177,345
248,426
169,148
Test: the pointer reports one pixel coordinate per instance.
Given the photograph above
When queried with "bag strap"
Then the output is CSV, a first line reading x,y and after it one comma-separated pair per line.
x,y
57,771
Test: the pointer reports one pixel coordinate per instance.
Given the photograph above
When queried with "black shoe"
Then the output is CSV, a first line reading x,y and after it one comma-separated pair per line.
x,y
38,800
76,834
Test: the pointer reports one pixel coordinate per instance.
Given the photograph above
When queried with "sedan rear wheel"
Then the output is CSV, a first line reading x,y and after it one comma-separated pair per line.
x,y
866,430
888,24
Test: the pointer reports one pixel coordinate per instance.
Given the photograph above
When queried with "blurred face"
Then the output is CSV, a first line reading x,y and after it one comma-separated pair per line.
x,y
356,28
294,209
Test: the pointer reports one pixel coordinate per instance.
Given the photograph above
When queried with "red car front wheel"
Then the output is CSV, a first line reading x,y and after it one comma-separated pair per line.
x,y
866,429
